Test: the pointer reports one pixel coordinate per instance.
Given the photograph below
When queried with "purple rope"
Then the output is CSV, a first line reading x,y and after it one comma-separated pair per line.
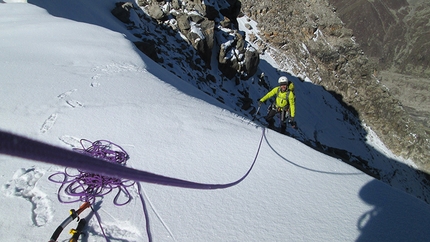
x,y
14,145
87,186
105,176
99,221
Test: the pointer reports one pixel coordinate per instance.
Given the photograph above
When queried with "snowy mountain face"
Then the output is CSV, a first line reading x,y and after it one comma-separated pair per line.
x,y
324,123
71,72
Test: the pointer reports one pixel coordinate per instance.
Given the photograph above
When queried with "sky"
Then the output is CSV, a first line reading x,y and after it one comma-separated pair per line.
x,y
65,80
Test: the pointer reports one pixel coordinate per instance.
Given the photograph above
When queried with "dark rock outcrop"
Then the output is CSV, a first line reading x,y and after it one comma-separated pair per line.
x,y
200,33
122,11
198,24
149,48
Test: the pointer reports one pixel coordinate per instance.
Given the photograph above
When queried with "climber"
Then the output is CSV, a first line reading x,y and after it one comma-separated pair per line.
x,y
284,104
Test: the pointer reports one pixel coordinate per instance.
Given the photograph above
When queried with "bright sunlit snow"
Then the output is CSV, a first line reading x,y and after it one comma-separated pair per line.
x,y
64,80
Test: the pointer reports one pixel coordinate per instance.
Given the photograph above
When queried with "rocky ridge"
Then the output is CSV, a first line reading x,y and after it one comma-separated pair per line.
x,y
305,37
196,21
318,46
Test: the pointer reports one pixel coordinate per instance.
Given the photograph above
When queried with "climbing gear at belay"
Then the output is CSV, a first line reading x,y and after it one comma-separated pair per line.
x,y
86,186
78,231
73,214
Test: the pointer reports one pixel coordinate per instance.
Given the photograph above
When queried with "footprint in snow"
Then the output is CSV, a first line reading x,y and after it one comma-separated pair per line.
x,y
23,184
124,231
66,94
66,97
74,103
47,125
71,141
95,84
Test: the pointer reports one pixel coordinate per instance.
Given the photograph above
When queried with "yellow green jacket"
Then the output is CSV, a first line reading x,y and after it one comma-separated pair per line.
x,y
281,98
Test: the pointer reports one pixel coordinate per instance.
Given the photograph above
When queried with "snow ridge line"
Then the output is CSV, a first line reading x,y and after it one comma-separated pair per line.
x,y
15,145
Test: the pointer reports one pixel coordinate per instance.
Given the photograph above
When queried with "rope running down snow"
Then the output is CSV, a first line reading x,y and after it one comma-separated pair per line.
x,y
14,145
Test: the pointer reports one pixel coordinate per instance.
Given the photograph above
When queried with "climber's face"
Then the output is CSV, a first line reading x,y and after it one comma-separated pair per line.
x,y
283,87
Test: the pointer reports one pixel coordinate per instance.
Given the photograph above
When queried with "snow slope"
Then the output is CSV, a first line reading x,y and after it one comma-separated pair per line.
x,y
63,80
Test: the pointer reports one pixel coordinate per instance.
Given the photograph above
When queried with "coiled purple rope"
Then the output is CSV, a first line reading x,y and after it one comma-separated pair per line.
x,y
86,186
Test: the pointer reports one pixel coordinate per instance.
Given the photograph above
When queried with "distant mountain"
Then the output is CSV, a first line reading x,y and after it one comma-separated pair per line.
x,y
395,33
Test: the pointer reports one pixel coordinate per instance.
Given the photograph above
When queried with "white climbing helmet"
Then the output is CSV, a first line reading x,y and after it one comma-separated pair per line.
x,y
283,80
